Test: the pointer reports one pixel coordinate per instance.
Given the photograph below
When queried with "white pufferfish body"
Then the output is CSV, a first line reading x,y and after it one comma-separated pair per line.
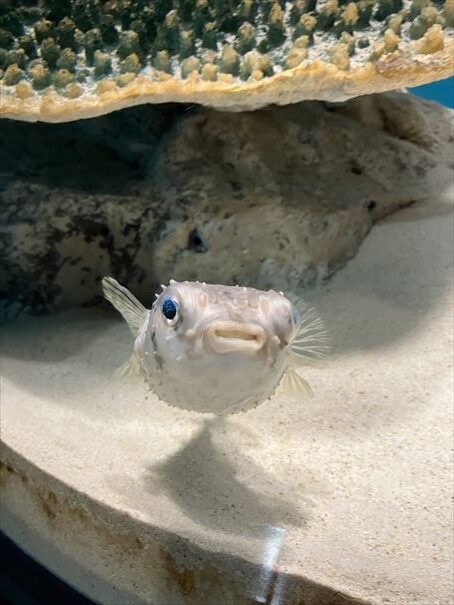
x,y
219,349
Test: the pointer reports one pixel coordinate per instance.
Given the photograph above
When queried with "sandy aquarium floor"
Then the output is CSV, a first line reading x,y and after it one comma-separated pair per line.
x,y
343,495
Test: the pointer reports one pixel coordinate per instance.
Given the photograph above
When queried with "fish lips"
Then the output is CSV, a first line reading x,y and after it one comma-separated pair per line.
x,y
235,337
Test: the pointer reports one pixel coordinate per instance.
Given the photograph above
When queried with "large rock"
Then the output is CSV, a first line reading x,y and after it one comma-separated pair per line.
x,y
279,197
282,197
64,191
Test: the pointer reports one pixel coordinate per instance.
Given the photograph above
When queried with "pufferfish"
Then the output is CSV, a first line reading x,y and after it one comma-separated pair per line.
x,y
219,349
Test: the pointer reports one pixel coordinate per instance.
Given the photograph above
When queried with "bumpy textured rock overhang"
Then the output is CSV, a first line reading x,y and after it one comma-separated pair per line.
x,y
63,60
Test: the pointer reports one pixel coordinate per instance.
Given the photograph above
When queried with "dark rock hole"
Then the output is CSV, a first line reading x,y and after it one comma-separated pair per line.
x,y
196,243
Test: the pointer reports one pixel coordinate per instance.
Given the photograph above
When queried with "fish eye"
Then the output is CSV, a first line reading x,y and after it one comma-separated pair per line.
x,y
170,310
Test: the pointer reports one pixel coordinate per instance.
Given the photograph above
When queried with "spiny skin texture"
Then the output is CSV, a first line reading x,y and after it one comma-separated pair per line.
x,y
184,365
62,60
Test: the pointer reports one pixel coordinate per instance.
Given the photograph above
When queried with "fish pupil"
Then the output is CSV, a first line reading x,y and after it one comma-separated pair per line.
x,y
169,308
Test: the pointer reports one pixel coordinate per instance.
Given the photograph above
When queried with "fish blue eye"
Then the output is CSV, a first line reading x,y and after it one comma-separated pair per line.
x,y
169,308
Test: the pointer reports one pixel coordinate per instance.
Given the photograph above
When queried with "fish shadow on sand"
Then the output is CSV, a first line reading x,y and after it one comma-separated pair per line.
x,y
203,481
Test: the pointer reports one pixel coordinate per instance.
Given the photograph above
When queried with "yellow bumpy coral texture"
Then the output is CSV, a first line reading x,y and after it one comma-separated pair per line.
x,y
55,54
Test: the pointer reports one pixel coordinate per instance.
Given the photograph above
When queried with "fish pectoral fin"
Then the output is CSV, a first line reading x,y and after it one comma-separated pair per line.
x,y
294,386
310,341
126,303
130,369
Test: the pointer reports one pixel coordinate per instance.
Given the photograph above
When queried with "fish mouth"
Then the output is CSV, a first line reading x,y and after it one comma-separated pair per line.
x,y
235,337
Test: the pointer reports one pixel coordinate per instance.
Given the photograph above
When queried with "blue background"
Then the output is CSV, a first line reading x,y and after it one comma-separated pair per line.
x,y
442,91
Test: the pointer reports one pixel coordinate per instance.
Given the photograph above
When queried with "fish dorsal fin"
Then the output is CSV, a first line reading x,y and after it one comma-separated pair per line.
x,y
126,303
294,386
311,342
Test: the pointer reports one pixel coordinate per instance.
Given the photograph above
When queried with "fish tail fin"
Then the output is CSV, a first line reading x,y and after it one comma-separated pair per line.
x,y
126,303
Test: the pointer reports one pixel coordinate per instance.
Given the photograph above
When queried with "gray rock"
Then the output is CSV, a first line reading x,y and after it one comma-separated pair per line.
x,y
278,198
284,196
63,188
